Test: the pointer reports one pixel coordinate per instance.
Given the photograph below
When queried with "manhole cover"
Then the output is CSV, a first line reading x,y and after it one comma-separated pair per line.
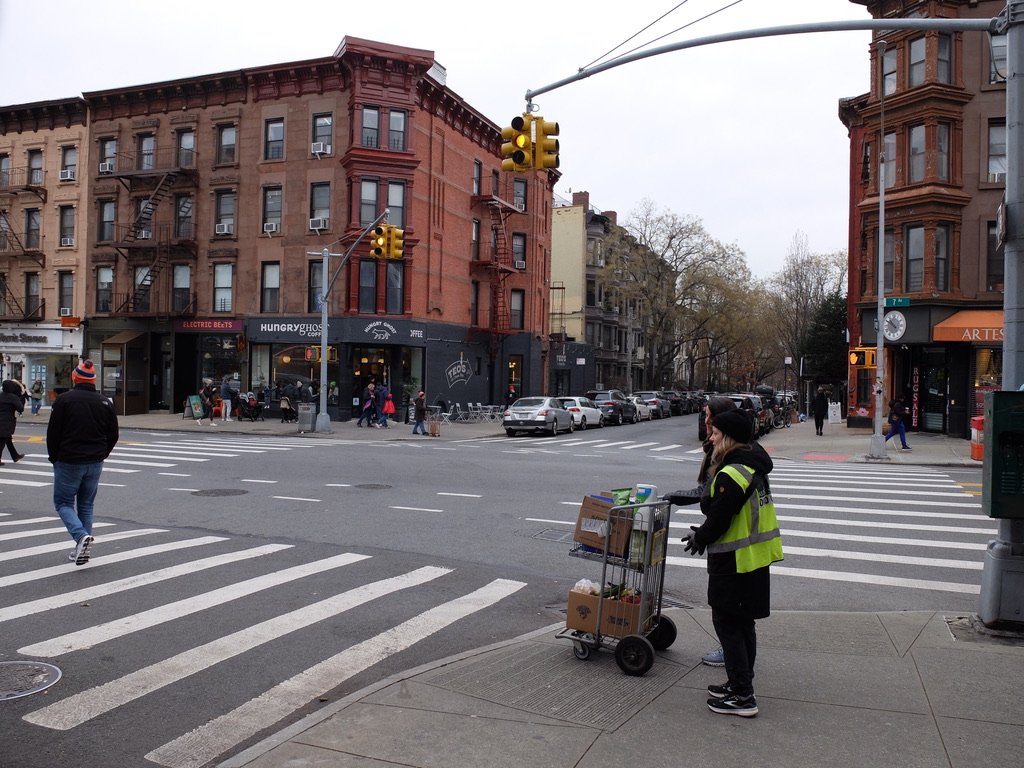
x,y
373,486
555,534
221,492
23,678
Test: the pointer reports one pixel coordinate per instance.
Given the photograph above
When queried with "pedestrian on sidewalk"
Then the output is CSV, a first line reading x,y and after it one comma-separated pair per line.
x,y
367,406
819,408
36,392
225,399
206,399
81,433
380,400
741,536
897,412
11,403
420,413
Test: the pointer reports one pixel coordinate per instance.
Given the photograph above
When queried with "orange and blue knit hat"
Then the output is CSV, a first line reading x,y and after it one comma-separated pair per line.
x,y
85,373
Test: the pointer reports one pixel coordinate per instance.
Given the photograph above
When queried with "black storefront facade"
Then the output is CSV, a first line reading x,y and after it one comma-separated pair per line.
x,y
453,364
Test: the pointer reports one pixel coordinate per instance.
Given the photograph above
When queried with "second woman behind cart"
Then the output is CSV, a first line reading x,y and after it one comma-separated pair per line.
x,y
742,539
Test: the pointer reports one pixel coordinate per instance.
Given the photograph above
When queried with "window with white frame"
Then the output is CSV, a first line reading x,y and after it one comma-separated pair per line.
x,y
474,243
108,214
320,202
272,204
519,193
323,131
68,163
225,213
367,201
104,289
942,162
942,250
271,287
519,247
396,130
146,148
997,151
917,62
273,139
478,173
223,277
917,153
66,292
394,300
914,248
371,127
396,204
517,300
108,152
35,166
186,148
889,71
889,150
227,138
66,214
997,59
181,292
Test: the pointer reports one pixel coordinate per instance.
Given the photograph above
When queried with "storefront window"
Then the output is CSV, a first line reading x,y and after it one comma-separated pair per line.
x,y
988,376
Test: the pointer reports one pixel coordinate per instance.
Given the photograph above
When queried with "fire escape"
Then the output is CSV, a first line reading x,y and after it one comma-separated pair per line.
x,y
496,264
14,184
149,241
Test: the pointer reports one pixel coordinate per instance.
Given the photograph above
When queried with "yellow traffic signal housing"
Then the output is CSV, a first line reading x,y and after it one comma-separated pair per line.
x,y
518,147
312,354
545,150
862,357
396,242
378,242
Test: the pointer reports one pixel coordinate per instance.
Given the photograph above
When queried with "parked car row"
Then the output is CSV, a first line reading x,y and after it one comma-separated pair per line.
x,y
770,411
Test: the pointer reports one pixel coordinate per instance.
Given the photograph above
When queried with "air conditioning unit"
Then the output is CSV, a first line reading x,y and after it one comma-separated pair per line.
x,y
68,174
222,229
318,224
997,178
615,347
599,262
144,234
269,228
106,167
65,311
615,310
519,264
520,206
320,148
67,242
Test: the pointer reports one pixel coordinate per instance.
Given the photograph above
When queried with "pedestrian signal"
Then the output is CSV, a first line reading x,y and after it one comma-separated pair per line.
x,y
312,354
862,358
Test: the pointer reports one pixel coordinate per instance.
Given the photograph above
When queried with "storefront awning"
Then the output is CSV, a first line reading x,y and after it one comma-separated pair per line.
x,y
123,337
977,325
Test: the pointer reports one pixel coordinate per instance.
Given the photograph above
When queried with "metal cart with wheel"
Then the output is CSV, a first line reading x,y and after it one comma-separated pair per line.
x,y
434,420
626,616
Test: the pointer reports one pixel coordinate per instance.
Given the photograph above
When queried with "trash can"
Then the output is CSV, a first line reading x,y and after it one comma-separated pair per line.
x,y
978,438
307,417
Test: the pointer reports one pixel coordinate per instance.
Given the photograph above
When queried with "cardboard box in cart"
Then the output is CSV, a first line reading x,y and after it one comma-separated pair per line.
x,y
592,526
618,618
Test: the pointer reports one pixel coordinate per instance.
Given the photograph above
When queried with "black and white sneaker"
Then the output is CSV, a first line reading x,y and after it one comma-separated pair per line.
x,y
721,691
744,706
81,552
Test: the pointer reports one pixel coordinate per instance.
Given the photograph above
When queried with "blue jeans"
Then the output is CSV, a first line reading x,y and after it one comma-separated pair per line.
x,y
898,428
36,405
75,485
419,426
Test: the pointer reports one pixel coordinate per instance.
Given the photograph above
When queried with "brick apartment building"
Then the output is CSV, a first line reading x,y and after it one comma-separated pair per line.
x,y
944,142
203,206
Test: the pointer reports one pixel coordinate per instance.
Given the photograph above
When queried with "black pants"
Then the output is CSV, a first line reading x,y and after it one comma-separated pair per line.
x,y
739,645
7,441
819,423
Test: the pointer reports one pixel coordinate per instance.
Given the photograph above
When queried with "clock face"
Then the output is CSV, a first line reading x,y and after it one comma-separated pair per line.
x,y
894,325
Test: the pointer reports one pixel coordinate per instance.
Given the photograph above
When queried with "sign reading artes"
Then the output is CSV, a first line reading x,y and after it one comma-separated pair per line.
x,y
458,372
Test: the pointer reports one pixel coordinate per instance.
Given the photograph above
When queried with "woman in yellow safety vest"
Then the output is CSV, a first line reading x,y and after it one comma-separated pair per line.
x,y
741,536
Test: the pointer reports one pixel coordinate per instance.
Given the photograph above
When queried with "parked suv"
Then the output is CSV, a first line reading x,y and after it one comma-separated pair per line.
x,y
677,402
615,405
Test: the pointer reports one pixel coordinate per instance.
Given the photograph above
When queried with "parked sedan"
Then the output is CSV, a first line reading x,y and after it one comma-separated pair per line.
x,y
536,414
616,407
677,402
658,402
584,411
643,410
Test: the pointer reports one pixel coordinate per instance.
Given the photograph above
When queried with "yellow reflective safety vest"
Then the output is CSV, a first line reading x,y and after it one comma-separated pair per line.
x,y
753,534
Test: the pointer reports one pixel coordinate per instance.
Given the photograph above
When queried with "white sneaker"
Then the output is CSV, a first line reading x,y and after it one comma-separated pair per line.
x,y
199,422
82,548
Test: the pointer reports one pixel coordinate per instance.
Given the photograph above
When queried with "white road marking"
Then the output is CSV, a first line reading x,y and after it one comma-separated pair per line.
x,y
135,463
253,480
886,492
338,485
126,455
112,485
59,546
22,483
44,531
464,495
294,498
976,517
874,500
165,474
418,509
670,447
81,707
198,747
175,452
186,490
30,521
101,633
638,445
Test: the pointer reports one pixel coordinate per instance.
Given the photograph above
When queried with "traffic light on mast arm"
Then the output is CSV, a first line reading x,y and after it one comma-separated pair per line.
x,y
545,149
396,242
518,146
378,242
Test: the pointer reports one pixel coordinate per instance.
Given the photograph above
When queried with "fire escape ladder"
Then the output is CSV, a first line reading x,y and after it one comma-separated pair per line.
x,y
144,221
11,243
144,287
501,267
10,300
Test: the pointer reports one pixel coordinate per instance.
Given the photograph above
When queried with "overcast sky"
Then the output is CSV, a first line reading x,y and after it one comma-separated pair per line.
x,y
744,135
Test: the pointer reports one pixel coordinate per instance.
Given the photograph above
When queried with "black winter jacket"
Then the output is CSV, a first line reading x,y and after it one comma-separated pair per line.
x,y
83,427
9,405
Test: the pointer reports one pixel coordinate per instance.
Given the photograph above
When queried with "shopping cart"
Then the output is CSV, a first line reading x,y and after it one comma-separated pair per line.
x,y
434,420
626,615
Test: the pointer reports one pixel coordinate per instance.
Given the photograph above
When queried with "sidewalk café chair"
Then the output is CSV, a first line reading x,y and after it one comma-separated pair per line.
x,y
475,412
446,418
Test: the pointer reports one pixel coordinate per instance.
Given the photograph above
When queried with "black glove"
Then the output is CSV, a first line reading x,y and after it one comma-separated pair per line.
x,y
691,544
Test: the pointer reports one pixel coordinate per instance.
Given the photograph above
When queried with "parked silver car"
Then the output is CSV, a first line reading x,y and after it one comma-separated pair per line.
x,y
536,414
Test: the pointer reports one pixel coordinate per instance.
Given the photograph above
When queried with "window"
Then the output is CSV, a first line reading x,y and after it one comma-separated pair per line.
x,y
108,151
942,239
997,59
371,126
104,288
889,150
66,213
889,71
916,153
889,260
225,214
994,260
273,139
315,286
108,212
146,146
942,131
272,199
393,297
396,204
142,282
917,49
320,202
35,166
32,224
997,152
66,292
396,130
186,149
323,131
5,229
5,171
591,293
183,217
944,65
519,194
33,303
223,274
367,201
271,283
474,243
368,286
226,139
518,246
181,292
517,301
474,303
914,247
478,172
68,163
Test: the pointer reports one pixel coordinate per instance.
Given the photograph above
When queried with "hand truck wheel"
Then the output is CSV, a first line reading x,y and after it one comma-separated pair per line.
x,y
663,634
581,650
634,654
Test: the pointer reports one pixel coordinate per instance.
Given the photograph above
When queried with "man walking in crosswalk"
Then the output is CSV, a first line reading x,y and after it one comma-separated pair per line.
x,y
81,433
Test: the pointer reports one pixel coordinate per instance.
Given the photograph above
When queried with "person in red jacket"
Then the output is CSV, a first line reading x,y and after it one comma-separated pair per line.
x,y
81,433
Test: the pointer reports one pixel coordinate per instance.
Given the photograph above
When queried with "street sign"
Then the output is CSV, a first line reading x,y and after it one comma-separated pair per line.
x,y
897,301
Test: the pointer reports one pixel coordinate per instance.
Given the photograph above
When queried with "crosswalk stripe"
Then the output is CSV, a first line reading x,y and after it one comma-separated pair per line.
x,y
109,460
81,707
915,502
884,491
935,481
638,445
43,532
30,521
132,582
198,747
101,633
23,483
173,453
126,455
670,447
115,557
63,545
205,447
603,444
930,514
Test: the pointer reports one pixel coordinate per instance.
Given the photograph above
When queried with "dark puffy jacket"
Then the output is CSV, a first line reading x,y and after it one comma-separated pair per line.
x,y
10,404
83,427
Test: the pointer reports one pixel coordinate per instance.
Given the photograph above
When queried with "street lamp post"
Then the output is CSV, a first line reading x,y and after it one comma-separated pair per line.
x,y
877,447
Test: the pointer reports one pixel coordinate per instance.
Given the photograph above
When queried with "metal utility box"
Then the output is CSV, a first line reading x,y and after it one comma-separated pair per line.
x,y
307,417
1002,474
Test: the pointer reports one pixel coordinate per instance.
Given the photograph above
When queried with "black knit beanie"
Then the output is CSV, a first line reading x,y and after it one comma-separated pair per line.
x,y
737,424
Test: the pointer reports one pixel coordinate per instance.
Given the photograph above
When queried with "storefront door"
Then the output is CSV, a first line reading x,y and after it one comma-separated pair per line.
x,y
934,384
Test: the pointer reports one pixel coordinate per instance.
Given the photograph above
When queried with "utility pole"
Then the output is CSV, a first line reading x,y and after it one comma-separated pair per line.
x,y
877,446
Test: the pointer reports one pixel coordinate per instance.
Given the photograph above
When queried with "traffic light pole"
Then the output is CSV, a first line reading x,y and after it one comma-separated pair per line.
x,y
323,418
876,448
